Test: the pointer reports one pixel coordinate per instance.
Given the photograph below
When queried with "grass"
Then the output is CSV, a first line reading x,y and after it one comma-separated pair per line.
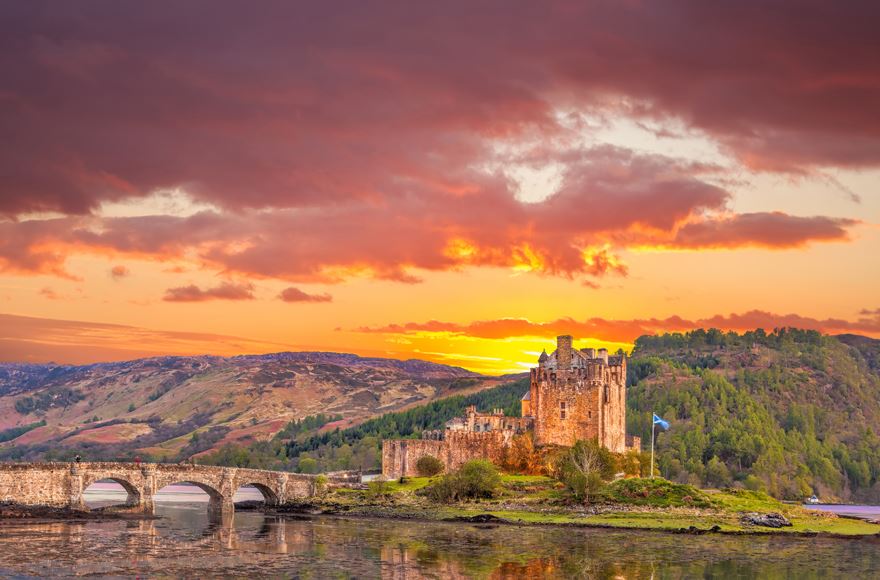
x,y
409,484
631,504
655,492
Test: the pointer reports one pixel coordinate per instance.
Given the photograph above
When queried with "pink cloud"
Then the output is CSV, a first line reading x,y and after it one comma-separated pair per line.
x,y
629,330
225,291
296,295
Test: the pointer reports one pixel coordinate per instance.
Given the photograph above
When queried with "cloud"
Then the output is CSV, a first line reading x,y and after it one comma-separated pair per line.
x,y
774,230
50,294
225,291
369,141
118,272
609,199
29,339
362,103
296,295
626,331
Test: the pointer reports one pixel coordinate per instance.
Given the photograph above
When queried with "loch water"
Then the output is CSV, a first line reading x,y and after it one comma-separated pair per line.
x,y
186,543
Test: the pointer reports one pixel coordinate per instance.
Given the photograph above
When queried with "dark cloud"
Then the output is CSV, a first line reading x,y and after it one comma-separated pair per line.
x,y
302,106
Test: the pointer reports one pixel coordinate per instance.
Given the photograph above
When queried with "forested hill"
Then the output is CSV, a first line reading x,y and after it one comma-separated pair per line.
x,y
792,411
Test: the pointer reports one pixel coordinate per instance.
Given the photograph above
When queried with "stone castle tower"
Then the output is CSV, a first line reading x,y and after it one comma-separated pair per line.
x,y
573,394
578,394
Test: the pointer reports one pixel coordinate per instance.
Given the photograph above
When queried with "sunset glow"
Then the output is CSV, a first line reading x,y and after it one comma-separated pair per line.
x,y
326,179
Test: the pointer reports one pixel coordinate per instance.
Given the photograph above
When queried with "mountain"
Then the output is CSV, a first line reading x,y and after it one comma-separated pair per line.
x,y
792,411
176,406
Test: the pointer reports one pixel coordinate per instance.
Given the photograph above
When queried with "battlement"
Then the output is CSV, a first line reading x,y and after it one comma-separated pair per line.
x,y
573,395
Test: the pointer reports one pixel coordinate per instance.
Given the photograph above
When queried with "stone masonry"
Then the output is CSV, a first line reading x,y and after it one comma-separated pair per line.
x,y
573,395
63,484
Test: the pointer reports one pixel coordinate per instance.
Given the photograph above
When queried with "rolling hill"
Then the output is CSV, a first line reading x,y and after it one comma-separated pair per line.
x,y
172,407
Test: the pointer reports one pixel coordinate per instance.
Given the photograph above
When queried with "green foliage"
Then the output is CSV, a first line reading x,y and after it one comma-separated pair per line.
x,y
15,432
789,411
359,447
55,397
657,492
476,479
308,465
131,408
584,468
428,466
378,488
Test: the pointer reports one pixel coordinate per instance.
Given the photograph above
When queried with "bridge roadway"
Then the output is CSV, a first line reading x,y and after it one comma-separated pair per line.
x,y
62,484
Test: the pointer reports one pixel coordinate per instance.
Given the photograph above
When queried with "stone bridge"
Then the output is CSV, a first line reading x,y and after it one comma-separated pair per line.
x,y
63,484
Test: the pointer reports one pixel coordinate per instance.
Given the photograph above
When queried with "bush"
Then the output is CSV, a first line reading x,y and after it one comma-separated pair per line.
x,y
657,492
521,456
378,488
477,479
321,484
428,466
584,468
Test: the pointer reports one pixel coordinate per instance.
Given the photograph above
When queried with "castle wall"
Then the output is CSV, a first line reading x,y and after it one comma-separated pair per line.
x,y
595,404
399,456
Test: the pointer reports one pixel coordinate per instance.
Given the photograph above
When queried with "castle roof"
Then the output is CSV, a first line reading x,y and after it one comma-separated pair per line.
x,y
544,356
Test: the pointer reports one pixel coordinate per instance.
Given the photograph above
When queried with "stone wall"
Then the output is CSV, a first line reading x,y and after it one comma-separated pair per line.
x,y
593,398
399,456
63,484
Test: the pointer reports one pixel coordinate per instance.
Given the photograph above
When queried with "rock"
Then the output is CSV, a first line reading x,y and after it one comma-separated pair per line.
x,y
479,519
771,520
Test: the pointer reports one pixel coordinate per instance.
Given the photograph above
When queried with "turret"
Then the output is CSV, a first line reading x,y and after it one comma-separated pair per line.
x,y
542,360
563,352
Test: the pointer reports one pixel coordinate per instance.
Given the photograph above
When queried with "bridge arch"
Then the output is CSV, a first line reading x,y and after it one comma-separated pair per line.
x,y
270,496
134,495
208,488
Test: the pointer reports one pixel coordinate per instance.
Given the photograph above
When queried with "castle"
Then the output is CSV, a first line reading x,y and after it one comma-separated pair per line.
x,y
573,394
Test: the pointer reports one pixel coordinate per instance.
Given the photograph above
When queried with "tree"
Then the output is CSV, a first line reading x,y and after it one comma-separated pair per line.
x,y
521,456
584,468
308,465
428,466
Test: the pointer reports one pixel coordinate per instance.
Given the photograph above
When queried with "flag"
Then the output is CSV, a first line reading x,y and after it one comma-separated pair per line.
x,y
658,421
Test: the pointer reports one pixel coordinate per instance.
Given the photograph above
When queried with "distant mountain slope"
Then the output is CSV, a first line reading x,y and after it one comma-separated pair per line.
x,y
792,411
166,406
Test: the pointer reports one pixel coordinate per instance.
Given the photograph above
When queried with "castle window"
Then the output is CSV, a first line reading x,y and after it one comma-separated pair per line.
x,y
606,394
562,410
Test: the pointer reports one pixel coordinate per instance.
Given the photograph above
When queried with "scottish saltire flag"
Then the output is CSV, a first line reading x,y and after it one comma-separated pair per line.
x,y
658,421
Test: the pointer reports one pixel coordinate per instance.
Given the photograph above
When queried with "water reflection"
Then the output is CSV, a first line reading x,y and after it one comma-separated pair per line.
x,y
185,542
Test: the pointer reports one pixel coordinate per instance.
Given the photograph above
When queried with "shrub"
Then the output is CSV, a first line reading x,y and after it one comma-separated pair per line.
x,y
657,492
521,456
477,479
378,488
428,466
584,468
321,484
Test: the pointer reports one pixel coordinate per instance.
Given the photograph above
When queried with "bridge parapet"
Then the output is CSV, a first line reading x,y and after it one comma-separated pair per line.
x,y
62,484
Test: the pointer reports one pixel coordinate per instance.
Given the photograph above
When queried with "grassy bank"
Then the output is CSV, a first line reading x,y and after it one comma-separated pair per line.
x,y
636,503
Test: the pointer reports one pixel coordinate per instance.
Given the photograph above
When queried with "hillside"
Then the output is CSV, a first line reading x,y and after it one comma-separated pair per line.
x,y
790,412
793,412
173,407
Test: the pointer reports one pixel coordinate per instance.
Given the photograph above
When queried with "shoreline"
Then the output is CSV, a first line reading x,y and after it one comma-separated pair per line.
x,y
487,516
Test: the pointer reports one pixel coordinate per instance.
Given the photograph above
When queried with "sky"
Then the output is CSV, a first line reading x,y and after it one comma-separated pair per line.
x,y
452,181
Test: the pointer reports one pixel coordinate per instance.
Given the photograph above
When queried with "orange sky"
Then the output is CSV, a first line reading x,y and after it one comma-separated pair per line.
x,y
461,202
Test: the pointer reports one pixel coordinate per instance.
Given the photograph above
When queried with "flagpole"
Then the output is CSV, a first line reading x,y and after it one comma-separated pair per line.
x,y
653,428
